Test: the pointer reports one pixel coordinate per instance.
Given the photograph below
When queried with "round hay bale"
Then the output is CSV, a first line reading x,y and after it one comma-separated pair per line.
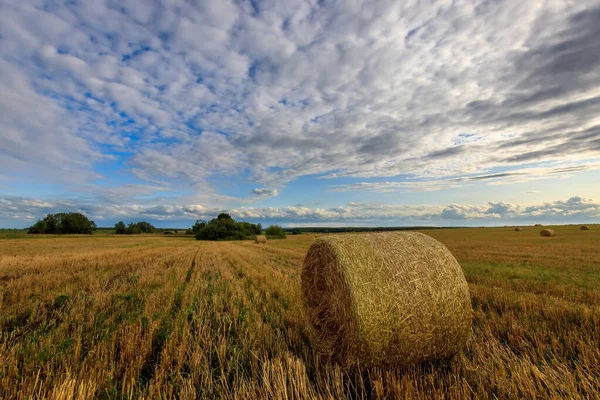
x,y
517,229
385,298
584,228
547,232
260,239
538,224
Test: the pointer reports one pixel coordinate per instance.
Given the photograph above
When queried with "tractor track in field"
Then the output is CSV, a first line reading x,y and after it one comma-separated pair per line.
x,y
161,335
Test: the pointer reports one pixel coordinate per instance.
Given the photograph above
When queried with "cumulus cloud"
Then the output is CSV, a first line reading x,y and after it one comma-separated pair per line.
x,y
567,211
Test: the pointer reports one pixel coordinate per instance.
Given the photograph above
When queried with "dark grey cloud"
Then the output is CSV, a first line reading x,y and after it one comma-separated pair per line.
x,y
493,176
265,192
446,153
566,60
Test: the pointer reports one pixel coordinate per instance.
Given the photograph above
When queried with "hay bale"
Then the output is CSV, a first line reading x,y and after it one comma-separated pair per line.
x,y
517,229
385,298
584,228
547,232
260,239
538,224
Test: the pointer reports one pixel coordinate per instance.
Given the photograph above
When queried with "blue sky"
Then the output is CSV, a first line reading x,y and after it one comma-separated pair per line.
x,y
301,112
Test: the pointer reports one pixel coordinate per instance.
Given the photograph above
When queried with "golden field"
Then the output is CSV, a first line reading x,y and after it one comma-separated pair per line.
x,y
152,316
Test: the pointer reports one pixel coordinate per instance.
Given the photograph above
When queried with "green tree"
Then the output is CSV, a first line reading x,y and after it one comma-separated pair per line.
x,y
200,223
224,216
52,223
224,227
146,227
132,229
66,223
120,228
38,227
275,231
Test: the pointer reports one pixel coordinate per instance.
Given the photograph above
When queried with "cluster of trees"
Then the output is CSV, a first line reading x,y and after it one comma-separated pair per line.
x,y
66,223
224,227
134,228
275,232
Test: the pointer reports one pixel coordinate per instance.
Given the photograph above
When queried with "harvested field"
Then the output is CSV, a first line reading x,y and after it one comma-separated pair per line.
x,y
164,316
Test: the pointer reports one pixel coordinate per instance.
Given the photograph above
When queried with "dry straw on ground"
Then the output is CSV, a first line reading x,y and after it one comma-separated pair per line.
x,y
517,229
260,239
385,298
547,232
584,228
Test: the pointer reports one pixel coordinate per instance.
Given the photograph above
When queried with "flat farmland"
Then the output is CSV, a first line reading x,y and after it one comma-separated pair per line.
x,y
156,316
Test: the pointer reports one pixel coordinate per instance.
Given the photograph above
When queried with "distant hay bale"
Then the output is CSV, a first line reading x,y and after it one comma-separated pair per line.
x,y
385,298
517,229
260,239
538,224
547,232
584,228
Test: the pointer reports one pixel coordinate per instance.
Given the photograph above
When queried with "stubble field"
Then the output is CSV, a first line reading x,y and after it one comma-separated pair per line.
x,y
152,316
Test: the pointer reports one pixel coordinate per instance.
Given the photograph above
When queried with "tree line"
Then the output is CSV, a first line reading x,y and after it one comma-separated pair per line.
x,y
223,227
134,228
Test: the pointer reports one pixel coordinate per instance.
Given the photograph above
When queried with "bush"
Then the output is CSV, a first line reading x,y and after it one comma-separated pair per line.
x,y
65,223
225,228
275,232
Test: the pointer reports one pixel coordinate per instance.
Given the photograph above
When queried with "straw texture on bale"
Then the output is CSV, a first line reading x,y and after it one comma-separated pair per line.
x,y
584,228
547,232
517,229
385,298
260,239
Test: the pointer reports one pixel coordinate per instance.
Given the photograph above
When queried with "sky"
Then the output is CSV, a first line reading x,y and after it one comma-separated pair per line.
x,y
301,112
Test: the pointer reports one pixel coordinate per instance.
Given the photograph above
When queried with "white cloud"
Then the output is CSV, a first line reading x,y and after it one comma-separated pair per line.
x,y
572,210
